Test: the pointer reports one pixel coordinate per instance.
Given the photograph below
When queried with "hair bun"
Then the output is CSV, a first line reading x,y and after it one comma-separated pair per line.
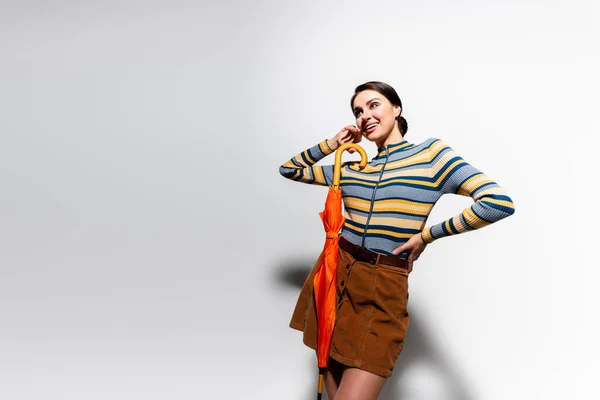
x,y
402,125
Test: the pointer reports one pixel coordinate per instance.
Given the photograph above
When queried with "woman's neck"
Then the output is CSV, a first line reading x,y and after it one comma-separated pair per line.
x,y
394,137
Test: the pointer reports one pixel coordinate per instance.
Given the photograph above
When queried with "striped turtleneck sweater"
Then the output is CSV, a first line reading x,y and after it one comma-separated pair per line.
x,y
389,201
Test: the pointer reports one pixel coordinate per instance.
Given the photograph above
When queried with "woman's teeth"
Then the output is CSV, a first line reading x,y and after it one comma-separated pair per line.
x,y
370,127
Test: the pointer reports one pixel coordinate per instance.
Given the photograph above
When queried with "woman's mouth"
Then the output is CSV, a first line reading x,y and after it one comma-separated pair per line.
x,y
370,128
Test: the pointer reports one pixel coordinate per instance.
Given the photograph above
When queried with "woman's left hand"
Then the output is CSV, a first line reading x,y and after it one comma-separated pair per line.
x,y
414,246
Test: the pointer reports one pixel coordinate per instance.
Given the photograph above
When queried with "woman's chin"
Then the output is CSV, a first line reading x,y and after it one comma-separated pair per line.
x,y
372,137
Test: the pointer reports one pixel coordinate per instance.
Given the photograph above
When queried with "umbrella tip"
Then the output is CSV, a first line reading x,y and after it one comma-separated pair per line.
x,y
320,387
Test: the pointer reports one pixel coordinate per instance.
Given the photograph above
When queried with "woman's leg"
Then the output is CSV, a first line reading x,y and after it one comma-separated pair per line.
x,y
357,384
333,377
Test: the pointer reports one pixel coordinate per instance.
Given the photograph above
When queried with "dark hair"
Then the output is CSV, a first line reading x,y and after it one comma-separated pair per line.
x,y
389,93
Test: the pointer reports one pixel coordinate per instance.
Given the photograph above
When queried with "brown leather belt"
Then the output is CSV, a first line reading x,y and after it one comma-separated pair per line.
x,y
370,256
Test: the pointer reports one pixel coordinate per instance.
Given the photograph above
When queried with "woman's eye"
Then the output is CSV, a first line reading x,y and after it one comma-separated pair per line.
x,y
373,105
357,113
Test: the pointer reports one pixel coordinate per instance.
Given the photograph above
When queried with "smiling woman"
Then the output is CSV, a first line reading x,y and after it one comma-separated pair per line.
x,y
374,91
386,208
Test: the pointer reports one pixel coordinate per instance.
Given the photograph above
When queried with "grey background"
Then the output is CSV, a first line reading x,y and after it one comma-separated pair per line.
x,y
149,248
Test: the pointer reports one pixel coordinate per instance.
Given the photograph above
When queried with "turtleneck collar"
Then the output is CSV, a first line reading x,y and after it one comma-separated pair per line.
x,y
392,147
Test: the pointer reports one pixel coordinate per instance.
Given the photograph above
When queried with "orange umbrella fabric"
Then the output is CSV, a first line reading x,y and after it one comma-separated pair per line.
x,y
325,282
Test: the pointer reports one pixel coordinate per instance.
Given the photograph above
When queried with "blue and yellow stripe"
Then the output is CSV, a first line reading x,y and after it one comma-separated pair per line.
x,y
414,178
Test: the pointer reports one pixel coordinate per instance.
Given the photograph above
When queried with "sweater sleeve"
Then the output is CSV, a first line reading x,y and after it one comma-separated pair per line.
x,y
302,167
455,175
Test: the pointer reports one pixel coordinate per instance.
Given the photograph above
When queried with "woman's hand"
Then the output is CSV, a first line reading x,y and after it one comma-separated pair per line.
x,y
349,134
414,246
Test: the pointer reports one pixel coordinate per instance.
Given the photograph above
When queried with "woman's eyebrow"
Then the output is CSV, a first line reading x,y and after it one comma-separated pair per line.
x,y
373,99
368,102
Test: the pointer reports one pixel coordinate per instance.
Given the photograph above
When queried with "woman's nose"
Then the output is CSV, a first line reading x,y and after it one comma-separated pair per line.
x,y
364,117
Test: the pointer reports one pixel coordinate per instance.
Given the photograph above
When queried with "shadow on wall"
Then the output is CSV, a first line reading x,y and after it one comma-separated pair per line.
x,y
419,351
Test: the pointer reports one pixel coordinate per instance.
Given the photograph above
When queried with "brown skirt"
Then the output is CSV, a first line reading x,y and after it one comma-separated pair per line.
x,y
372,316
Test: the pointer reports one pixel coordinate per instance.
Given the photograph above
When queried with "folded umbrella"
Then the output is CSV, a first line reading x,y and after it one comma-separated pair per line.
x,y
325,282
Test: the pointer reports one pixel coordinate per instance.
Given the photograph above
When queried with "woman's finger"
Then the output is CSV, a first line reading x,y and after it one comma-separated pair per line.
x,y
411,260
346,135
410,264
352,131
401,249
346,140
356,136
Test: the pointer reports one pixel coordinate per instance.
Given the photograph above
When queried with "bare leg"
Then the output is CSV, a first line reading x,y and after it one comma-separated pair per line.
x,y
357,384
333,377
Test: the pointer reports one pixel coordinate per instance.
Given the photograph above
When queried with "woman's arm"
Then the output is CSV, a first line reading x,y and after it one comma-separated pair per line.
x,y
301,167
491,203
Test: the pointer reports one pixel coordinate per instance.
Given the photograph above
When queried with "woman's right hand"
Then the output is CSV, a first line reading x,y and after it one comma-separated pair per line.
x,y
349,134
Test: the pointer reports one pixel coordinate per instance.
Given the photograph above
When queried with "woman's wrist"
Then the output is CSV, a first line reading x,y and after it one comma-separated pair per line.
x,y
426,236
332,143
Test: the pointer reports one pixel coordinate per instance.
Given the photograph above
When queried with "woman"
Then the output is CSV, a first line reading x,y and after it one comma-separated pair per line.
x,y
386,207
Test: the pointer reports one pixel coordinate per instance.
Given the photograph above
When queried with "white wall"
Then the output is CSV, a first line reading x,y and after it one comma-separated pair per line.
x,y
149,248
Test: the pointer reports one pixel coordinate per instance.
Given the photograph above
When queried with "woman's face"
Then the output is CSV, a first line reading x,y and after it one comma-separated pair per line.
x,y
375,115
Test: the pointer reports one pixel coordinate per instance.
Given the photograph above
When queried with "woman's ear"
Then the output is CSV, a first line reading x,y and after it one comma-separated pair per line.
x,y
397,111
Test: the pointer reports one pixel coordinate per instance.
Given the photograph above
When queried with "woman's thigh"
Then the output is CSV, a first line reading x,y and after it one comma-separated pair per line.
x,y
333,377
357,384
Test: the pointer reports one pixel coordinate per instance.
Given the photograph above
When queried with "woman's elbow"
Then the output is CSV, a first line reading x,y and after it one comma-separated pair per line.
x,y
508,205
512,207
496,207
286,172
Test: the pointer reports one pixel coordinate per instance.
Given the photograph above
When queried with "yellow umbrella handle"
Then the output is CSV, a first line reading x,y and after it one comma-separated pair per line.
x,y
338,161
